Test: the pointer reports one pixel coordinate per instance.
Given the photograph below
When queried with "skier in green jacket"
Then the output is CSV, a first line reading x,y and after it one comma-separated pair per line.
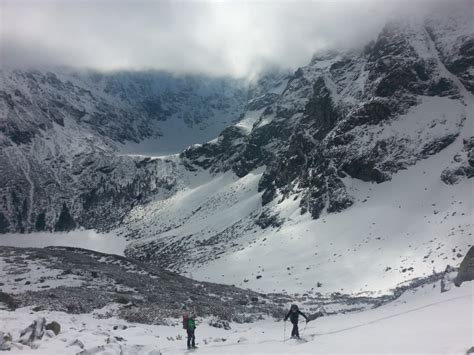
x,y
190,328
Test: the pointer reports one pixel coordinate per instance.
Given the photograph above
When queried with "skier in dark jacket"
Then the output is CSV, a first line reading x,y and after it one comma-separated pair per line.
x,y
294,314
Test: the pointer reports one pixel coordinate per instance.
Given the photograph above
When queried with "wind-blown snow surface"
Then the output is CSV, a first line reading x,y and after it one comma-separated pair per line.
x,y
438,323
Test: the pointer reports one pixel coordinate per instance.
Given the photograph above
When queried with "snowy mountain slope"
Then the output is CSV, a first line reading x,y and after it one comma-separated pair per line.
x,y
76,281
382,137
123,106
65,137
414,223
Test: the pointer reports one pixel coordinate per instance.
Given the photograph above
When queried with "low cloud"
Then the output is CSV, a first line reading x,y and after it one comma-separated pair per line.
x,y
236,38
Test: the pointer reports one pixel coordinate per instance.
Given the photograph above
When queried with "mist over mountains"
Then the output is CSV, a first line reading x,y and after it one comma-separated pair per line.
x,y
227,38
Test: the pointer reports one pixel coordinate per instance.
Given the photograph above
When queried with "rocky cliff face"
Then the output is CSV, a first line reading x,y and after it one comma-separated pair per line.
x,y
60,131
365,115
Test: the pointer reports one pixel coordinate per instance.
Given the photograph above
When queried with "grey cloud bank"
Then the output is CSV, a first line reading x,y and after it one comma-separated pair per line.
x,y
234,38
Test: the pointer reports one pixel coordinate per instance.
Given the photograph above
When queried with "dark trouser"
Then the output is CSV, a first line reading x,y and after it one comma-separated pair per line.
x,y
191,339
295,332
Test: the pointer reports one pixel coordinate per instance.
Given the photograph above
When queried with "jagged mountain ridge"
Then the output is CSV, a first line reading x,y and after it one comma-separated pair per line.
x,y
122,106
327,123
61,134
339,125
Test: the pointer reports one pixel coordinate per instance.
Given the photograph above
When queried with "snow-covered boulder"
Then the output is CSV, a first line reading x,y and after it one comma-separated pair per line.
x,y
34,332
5,341
448,279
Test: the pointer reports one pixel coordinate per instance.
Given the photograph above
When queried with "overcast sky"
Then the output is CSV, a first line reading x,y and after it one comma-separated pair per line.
x,y
235,38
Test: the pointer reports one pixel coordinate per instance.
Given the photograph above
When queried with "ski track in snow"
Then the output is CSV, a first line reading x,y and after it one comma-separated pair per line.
x,y
390,316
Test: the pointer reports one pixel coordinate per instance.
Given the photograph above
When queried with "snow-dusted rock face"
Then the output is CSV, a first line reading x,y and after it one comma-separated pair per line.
x,y
453,37
382,136
61,133
122,106
366,115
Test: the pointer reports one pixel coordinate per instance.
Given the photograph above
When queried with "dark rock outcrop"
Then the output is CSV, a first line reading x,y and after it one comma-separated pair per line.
x,y
54,326
33,332
466,269
462,166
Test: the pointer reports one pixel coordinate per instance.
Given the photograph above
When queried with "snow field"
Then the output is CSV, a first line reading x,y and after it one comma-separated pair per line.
x,y
421,321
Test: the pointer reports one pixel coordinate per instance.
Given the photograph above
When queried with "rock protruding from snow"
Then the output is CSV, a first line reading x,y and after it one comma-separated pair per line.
x,y
33,332
5,341
54,326
7,301
448,279
462,166
77,342
466,269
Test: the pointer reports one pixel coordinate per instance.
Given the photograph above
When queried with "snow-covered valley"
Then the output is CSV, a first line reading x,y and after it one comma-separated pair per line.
x,y
128,198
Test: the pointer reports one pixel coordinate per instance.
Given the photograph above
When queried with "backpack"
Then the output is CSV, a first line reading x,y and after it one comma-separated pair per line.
x,y
191,324
185,320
